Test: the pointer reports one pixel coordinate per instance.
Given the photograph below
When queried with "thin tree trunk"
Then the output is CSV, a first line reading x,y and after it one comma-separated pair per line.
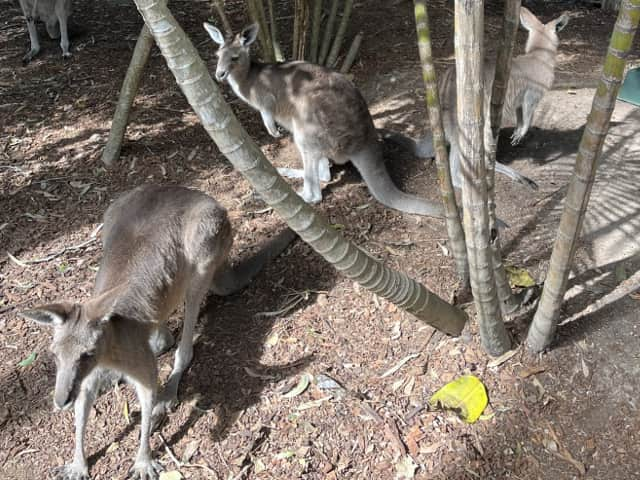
x,y
300,26
454,227
351,54
274,33
127,95
328,32
256,13
316,22
508,302
469,85
340,34
219,6
545,321
233,141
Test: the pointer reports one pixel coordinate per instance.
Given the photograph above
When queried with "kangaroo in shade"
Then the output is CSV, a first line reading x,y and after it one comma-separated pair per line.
x,y
162,246
532,75
325,112
54,14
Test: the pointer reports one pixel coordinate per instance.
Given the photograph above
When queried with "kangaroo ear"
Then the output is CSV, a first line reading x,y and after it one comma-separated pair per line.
x,y
561,22
248,35
215,34
52,315
102,307
528,19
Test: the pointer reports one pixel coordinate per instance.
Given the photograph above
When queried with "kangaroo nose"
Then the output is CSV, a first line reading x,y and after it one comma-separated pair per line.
x,y
221,75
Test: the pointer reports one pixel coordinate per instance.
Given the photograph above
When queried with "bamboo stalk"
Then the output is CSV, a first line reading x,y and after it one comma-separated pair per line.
x,y
454,227
351,54
316,21
274,33
340,34
219,6
256,13
545,321
127,95
469,32
328,32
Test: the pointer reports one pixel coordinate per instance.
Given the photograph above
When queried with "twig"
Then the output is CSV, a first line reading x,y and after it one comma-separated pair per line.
x,y
180,465
169,452
25,263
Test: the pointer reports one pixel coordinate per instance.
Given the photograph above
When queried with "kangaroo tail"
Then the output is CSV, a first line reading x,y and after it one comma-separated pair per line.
x,y
233,279
371,166
423,148
518,177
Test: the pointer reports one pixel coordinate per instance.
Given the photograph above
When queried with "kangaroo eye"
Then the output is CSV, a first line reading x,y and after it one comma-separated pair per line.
x,y
234,58
87,355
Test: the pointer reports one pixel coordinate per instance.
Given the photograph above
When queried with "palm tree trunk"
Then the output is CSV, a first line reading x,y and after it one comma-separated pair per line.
x,y
233,141
127,95
508,302
469,27
545,321
454,227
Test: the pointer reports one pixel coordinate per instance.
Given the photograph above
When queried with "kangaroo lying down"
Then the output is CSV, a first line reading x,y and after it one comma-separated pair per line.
x,y
162,246
325,112
54,14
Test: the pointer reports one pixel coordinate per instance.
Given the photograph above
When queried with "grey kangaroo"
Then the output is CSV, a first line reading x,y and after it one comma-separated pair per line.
x,y
54,14
325,112
532,75
162,245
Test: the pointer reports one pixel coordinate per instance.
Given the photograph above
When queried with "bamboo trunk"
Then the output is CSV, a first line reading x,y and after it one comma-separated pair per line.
x,y
274,33
328,32
469,27
542,330
454,227
127,95
256,13
340,34
219,6
316,22
351,54
233,141
511,19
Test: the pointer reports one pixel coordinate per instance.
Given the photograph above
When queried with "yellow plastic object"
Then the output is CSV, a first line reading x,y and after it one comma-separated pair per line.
x,y
465,395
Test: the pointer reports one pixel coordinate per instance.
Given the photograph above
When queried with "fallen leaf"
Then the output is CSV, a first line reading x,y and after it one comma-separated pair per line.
x,y
399,365
172,475
313,403
258,466
406,468
519,277
113,447
190,450
272,339
254,374
466,395
285,455
527,372
496,362
302,385
29,360
408,388
413,438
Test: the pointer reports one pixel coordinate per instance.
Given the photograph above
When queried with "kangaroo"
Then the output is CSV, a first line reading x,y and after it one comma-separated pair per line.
x,y
532,75
325,112
162,245
54,14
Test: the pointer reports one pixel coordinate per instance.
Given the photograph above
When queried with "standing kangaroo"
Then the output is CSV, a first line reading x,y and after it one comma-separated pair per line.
x,y
325,112
54,14
162,245
532,75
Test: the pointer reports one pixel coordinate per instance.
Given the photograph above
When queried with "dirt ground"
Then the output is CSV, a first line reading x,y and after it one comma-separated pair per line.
x,y
570,413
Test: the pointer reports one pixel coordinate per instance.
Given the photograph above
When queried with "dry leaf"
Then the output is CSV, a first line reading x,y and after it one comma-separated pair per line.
x,y
496,362
302,385
190,450
399,365
405,468
172,475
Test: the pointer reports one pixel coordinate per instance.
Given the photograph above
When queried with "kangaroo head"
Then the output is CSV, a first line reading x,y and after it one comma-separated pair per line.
x,y
542,35
233,55
80,334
